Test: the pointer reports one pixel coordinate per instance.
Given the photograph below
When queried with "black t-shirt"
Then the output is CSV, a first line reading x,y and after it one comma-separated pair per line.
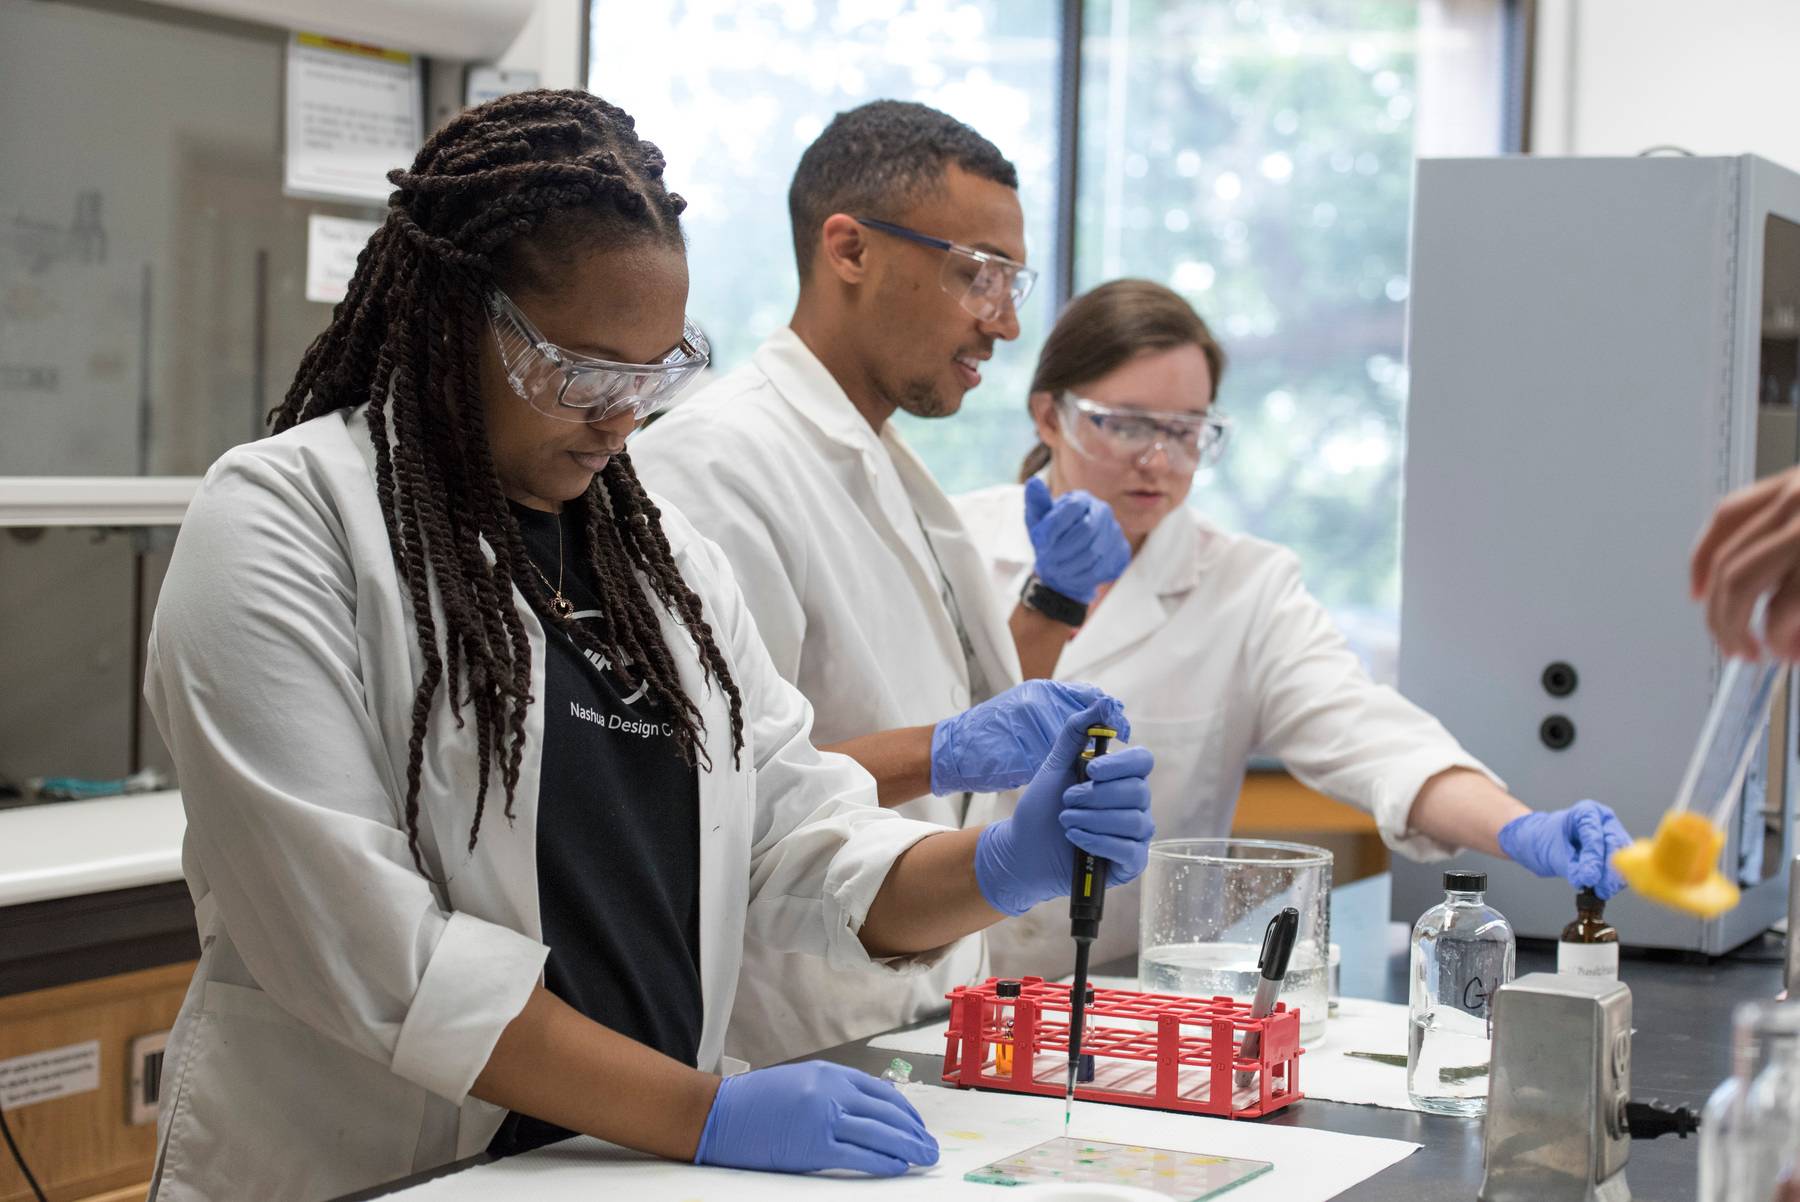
x,y
618,843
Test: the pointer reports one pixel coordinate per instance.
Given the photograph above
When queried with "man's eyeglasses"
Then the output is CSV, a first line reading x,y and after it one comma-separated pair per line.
x,y
1134,435
982,283
574,388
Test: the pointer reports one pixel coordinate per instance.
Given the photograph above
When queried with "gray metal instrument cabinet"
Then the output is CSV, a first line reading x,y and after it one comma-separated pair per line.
x,y
1599,350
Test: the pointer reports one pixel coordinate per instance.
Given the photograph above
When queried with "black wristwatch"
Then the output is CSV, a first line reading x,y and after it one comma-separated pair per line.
x,y
1036,595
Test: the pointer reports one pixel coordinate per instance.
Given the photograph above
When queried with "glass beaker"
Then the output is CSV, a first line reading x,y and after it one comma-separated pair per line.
x,y
1203,909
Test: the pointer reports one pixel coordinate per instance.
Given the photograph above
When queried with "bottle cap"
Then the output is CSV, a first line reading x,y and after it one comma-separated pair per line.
x,y
1465,882
1007,989
1587,899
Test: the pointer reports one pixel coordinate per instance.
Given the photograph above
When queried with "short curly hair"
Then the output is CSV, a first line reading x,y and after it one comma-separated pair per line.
x,y
879,159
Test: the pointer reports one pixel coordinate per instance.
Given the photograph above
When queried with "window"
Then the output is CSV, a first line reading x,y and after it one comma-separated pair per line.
x,y
1255,155
733,92
1257,158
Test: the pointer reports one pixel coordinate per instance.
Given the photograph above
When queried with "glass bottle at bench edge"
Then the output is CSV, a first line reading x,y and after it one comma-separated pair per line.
x,y
1462,952
1750,1129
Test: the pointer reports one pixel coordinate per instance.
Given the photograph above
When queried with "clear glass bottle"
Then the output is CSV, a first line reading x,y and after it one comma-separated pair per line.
x,y
1462,952
1589,947
1750,1129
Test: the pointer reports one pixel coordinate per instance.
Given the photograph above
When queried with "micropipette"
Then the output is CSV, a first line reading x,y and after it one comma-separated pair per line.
x,y
1087,898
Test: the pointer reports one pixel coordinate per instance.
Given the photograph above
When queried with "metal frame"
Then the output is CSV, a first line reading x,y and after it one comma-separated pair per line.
x,y
583,65
1068,151
1519,67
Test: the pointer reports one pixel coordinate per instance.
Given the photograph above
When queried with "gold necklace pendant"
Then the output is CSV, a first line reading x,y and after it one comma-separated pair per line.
x,y
560,605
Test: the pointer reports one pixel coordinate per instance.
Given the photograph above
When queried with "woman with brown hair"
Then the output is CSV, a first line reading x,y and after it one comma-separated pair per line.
x,y
487,773
1209,636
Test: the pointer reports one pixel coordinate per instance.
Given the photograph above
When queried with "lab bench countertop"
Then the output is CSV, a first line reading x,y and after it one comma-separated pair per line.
x,y
1681,1011
71,848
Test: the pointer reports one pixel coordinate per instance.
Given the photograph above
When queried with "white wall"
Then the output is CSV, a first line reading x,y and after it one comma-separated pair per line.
x,y
550,44
1460,80
1617,76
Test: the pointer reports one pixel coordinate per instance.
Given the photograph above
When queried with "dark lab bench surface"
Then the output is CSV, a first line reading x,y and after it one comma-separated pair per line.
x,y
1682,1049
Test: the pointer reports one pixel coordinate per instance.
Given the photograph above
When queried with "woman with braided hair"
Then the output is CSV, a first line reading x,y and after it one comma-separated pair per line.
x,y
487,773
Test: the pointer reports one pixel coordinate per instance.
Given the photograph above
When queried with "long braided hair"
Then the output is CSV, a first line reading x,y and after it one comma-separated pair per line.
x,y
491,196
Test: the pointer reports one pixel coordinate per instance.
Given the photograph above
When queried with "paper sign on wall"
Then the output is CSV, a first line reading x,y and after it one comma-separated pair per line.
x,y
54,1073
354,113
485,83
332,244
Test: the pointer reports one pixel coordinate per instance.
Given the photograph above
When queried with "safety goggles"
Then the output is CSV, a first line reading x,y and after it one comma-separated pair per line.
x,y
1134,435
574,388
982,283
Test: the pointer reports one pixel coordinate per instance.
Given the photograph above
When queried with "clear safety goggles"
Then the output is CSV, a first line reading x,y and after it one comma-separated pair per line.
x,y
1134,435
982,283
573,388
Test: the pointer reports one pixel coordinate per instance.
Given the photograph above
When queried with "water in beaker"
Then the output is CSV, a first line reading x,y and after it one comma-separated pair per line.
x,y
1203,910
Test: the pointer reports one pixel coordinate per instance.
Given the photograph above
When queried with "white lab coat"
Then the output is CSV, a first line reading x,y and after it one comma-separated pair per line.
x,y
344,1004
1217,650
820,518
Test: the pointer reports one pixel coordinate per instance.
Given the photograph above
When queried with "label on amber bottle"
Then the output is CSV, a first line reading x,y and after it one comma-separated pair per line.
x,y
1588,960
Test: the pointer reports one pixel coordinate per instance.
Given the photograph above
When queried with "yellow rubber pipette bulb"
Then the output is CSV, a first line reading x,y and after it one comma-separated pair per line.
x,y
1678,866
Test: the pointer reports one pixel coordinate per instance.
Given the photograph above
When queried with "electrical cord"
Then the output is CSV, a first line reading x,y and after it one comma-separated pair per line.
x,y
1648,1120
37,1191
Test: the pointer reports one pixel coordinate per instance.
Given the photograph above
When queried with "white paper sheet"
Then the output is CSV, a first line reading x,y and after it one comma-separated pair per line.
x,y
1326,1073
353,114
332,245
1359,1025
973,1128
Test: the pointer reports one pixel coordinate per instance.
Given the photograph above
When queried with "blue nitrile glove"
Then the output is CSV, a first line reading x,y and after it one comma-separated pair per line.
x,y
1077,540
1030,857
1576,844
800,1118
1001,743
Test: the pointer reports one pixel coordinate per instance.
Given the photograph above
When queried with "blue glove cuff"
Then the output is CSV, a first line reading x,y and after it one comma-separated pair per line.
x,y
712,1117
993,847
1075,596
1511,833
943,754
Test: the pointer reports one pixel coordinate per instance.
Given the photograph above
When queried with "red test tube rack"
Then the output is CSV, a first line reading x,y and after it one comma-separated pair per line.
x,y
1157,1050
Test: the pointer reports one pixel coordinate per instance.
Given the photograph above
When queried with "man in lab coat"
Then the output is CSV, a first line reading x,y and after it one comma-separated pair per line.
x,y
910,243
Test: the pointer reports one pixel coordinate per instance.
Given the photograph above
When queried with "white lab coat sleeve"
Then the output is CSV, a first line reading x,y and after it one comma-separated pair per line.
x,y
292,809
737,501
820,845
1336,729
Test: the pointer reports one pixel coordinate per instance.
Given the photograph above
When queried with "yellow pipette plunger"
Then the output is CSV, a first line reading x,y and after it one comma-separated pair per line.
x,y
1679,866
